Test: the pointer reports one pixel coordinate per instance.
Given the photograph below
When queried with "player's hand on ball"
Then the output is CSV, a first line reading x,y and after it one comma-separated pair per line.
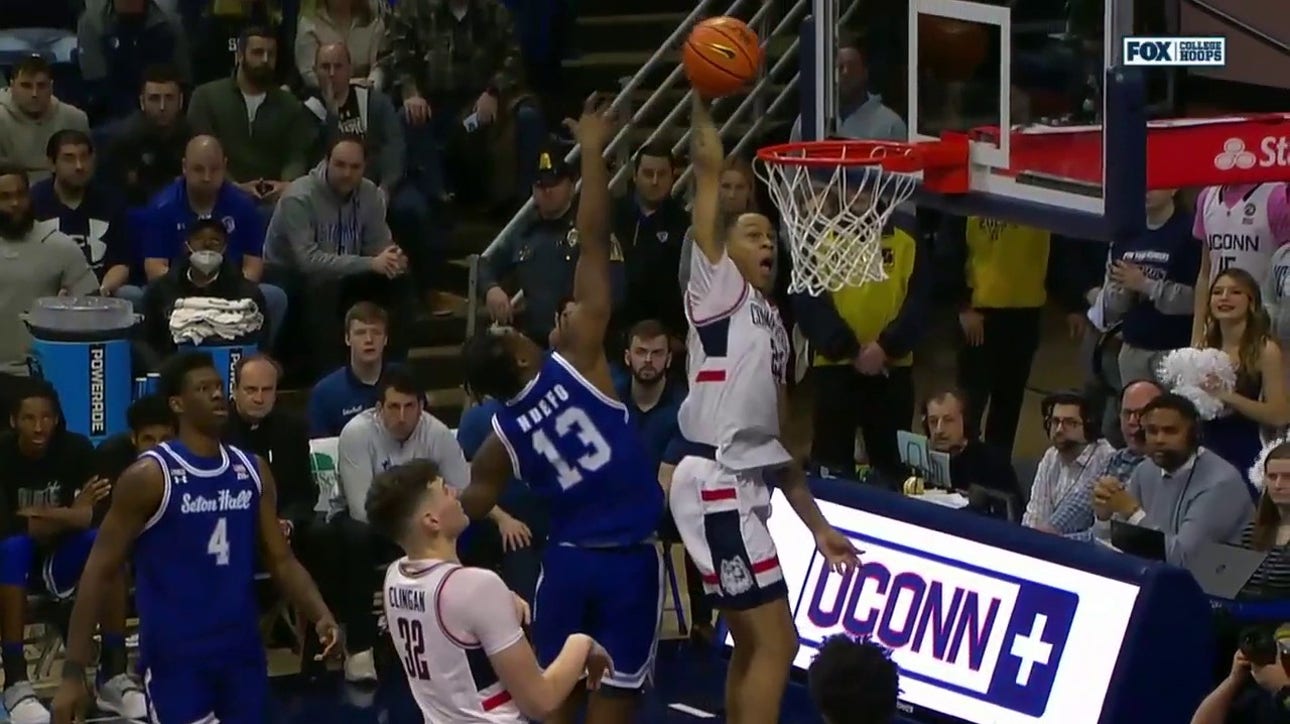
x,y
69,700
599,665
329,636
837,549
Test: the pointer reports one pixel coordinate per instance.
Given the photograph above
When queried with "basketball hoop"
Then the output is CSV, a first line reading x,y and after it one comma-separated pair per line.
x,y
836,197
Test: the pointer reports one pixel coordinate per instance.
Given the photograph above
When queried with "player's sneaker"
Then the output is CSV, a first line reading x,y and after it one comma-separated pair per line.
x,y
24,708
360,667
120,695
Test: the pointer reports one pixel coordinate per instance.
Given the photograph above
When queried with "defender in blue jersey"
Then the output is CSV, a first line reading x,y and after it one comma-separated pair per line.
x,y
197,514
562,431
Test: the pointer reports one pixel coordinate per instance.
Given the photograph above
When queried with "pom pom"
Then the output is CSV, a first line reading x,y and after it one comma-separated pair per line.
x,y
1186,371
1261,461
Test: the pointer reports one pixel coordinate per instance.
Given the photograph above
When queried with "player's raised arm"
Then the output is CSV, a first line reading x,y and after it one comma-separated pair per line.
x,y
591,285
490,470
292,578
707,156
136,498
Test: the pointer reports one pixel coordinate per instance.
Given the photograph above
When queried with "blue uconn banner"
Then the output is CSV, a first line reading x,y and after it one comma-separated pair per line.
x,y
992,623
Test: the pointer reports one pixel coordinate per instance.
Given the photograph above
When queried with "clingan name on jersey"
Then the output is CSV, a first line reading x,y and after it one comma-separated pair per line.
x,y
225,500
547,405
407,599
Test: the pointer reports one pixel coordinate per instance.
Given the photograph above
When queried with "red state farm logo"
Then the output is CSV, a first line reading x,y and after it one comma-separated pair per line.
x,y
1273,151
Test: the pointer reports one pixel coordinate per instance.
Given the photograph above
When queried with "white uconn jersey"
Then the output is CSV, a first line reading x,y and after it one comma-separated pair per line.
x,y
445,621
1241,235
738,358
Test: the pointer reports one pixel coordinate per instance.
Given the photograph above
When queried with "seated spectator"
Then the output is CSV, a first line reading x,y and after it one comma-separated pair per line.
x,y
398,430
854,681
1270,530
1181,489
1150,286
204,193
1074,514
341,395
53,501
150,421
30,114
266,133
972,462
215,27
205,273
145,152
279,436
118,39
346,108
329,233
39,262
356,25
542,255
448,79
1249,693
88,212
1078,454
861,113
650,227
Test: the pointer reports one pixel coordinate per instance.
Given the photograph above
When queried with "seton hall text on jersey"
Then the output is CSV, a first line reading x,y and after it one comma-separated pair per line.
x,y
225,500
1234,242
546,406
408,599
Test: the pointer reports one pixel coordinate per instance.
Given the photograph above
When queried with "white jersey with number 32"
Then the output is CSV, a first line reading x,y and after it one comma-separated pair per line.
x,y
446,620
737,359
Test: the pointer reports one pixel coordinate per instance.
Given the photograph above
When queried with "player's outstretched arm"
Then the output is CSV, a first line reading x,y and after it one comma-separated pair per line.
x,y
292,578
591,285
490,471
137,496
707,156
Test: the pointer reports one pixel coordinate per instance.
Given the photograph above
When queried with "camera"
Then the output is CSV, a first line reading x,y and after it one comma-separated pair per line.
x,y
1259,645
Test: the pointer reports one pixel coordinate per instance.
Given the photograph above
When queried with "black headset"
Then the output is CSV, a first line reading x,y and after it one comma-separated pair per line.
x,y
1092,429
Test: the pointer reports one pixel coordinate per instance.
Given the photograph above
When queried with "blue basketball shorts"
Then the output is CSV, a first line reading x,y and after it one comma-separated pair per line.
x,y
223,689
59,568
614,595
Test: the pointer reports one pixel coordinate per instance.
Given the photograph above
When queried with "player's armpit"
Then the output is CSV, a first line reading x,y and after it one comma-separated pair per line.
x,y
138,494
292,578
490,471
538,693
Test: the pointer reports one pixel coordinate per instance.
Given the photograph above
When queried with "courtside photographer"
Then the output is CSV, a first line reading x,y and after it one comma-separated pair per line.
x,y
1257,690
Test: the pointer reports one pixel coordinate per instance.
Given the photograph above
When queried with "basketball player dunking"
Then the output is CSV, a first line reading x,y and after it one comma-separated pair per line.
x,y
1242,226
462,645
562,430
732,453
195,512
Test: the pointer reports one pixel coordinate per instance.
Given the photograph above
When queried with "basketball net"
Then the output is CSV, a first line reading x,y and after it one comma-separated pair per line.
x,y
834,217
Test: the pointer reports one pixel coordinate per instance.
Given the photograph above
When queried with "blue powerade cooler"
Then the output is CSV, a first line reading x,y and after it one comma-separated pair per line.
x,y
81,346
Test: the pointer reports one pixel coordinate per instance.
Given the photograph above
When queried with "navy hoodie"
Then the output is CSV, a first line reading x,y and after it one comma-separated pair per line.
x,y
1170,259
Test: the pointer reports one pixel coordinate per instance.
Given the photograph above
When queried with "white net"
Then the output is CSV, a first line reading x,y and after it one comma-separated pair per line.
x,y
834,216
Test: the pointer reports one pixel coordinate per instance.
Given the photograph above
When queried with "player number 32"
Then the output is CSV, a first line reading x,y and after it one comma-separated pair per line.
x,y
575,422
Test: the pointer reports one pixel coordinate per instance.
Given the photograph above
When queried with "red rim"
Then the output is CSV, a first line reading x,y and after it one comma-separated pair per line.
x,y
890,155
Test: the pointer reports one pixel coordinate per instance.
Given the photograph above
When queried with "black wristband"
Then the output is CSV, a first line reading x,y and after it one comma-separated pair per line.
x,y
73,670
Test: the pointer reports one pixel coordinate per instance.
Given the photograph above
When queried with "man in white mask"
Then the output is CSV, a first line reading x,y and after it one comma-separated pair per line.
x,y
205,272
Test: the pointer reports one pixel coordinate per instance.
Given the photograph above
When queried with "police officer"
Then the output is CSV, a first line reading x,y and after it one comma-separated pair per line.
x,y
541,256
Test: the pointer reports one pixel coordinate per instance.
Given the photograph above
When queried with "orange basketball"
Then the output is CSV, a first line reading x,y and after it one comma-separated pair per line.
x,y
721,56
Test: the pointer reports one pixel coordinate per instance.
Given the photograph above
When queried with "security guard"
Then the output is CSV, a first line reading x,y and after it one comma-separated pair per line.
x,y
863,337
542,256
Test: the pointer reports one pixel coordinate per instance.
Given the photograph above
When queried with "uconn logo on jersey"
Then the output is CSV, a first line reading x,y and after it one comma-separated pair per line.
x,y
957,627
1234,242
767,317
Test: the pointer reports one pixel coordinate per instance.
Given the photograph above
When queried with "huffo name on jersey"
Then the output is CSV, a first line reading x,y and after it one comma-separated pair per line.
x,y
226,500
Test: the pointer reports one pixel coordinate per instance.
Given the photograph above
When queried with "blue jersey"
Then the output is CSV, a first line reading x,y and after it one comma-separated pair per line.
x,y
195,561
578,448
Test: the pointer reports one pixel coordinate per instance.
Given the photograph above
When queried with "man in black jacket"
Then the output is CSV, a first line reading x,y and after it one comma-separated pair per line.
x,y
151,422
145,151
973,464
203,273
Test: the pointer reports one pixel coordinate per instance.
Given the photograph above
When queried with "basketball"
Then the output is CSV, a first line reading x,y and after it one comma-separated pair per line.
x,y
721,56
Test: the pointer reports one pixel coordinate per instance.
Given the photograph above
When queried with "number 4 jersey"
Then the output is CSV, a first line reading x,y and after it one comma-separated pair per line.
x,y
578,448
446,620
195,561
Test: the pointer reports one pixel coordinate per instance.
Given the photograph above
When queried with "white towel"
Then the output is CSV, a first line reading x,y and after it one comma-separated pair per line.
x,y
196,319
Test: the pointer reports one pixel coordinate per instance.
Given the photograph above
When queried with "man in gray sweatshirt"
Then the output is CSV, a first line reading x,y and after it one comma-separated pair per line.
x,y
1188,493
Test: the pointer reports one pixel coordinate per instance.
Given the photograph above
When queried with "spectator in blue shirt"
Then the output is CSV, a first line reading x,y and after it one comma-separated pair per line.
x,y
86,210
340,396
651,397
203,192
120,38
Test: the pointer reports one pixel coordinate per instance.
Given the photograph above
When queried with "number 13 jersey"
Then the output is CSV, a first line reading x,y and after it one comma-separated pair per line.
x,y
579,449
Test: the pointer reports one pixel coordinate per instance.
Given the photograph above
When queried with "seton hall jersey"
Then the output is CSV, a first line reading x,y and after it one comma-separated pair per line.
x,y
194,562
1242,231
737,359
444,634
579,449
